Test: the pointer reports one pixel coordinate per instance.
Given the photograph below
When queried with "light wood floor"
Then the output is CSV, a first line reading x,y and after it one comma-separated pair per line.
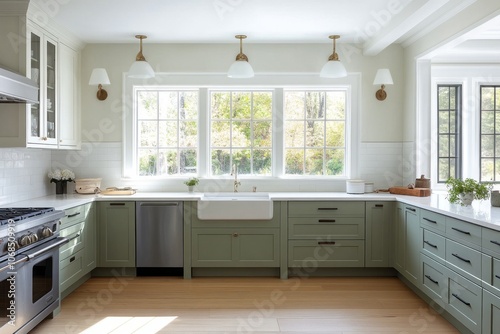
x,y
245,305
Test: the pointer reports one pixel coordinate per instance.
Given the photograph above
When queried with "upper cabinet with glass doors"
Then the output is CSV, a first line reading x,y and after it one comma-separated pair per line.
x,y
42,118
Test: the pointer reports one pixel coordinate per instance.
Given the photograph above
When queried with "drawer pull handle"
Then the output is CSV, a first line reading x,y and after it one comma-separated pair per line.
x,y
325,209
74,215
432,245
411,209
72,259
379,205
117,204
430,221
463,301
459,230
430,279
495,242
460,258
326,220
497,276
326,242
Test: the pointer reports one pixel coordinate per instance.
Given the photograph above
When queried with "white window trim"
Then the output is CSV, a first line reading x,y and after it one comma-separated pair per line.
x,y
471,77
277,81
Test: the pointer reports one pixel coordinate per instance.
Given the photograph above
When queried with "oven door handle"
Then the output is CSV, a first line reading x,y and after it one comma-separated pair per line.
x,y
10,264
56,244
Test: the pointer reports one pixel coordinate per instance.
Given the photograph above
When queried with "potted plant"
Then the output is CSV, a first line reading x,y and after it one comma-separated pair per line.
x,y
61,179
465,191
191,182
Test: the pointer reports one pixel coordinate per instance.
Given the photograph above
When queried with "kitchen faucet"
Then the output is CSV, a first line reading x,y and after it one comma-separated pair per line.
x,y
236,182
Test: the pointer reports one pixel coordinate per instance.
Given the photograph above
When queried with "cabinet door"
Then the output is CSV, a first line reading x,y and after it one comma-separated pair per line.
x,y
235,247
399,238
491,313
90,250
378,222
69,110
116,234
412,245
34,131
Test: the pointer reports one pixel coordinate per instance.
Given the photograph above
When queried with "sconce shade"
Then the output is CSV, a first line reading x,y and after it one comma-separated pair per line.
x,y
241,68
140,68
333,68
382,78
100,78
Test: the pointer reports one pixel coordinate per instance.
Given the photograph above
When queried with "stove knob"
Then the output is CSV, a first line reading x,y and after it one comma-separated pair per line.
x,y
33,237
47,232
16,245
25,240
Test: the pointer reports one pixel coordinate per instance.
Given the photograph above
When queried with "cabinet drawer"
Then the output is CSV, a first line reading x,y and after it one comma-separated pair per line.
x,y
338,228
76,243
326,209
73,215
463,259
433,245
328,253
434,280
463,231
433,220
70,270
491,273
465,302
491,240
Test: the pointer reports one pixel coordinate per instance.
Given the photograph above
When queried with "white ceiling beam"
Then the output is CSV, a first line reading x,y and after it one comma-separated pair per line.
x,y
400,24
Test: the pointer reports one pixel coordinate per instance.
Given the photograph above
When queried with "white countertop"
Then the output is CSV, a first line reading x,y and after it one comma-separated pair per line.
x,y
480,212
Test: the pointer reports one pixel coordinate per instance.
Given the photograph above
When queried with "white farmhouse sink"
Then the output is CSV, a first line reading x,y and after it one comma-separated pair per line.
x,y
235,206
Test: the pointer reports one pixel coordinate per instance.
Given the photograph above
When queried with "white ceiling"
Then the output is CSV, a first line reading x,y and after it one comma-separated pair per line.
x,y
373,24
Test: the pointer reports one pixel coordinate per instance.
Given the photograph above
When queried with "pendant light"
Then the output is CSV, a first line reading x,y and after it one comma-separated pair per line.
x,y
241,68
140,68
333,68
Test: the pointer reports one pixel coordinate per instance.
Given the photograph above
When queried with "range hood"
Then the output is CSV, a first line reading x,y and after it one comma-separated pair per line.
x,y
15,88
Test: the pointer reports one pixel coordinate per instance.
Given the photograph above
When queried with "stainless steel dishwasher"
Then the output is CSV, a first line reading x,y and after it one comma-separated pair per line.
x,y
159,238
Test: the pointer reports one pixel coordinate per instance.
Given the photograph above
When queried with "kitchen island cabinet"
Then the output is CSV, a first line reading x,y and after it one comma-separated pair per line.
x,y
116,234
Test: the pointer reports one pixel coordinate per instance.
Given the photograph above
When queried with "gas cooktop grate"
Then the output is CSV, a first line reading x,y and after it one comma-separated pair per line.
x,y
17,214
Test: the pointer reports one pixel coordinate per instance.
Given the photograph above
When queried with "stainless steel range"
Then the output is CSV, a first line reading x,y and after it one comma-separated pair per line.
x,y
29,266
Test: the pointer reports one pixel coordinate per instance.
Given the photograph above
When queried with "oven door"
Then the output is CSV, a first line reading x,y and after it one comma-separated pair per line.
x,y
36,286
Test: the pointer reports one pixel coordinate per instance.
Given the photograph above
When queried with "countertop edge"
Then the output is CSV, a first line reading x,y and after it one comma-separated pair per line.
x,y
479,213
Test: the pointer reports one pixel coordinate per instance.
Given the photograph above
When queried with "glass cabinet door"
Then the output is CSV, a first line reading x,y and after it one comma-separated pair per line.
x,y
50,94
35,76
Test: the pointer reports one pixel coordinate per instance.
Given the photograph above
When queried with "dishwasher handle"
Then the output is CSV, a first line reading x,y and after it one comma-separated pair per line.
x,y
156,204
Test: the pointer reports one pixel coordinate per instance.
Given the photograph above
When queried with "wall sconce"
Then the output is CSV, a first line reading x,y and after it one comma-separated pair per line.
x,y
241,68
100,78
383,77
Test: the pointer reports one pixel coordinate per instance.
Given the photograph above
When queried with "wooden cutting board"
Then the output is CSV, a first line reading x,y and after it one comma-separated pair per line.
x,y
419,192
117,191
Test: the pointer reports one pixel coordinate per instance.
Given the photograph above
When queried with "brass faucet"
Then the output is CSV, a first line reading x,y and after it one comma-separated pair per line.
x,y
236,182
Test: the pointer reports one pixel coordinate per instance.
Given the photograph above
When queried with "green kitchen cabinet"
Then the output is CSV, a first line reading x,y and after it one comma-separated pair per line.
x,y
235,246
378,224
78,225
491,313
116,234
407,239
90,250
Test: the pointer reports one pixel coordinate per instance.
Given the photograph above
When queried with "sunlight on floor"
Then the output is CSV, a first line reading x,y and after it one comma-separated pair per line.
x,y
126,325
